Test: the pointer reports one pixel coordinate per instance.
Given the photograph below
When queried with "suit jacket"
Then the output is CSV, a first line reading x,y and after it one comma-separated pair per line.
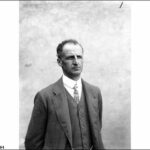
x,y
50,126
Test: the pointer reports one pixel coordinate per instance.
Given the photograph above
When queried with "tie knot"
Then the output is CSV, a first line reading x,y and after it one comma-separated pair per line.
x,y
75,86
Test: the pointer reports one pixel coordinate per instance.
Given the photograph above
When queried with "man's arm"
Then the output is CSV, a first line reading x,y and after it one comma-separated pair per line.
x,y
100,107
100,116
37,126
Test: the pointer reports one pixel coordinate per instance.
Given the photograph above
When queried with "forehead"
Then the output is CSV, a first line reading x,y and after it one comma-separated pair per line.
x,y
71,48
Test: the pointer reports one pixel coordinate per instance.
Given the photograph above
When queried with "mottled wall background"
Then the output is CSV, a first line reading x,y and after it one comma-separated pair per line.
x,y
103,28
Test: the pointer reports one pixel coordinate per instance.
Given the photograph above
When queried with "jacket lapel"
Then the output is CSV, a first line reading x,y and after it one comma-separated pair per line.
x,y
92,107
62,110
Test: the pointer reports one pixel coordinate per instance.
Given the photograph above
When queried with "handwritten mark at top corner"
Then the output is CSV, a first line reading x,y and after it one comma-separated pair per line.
x,y
121,5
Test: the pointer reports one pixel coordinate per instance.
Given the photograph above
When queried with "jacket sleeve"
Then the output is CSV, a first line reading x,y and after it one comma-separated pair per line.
x,y
100,107
100,118
37,126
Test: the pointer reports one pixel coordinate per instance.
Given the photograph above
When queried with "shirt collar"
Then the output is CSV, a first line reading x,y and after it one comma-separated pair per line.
x,y
70,83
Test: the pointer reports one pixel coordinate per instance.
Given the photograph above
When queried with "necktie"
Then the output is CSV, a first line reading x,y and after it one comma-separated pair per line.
x,y
76,94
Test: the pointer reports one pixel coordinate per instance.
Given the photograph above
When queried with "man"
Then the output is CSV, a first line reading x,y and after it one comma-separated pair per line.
x,y
68,113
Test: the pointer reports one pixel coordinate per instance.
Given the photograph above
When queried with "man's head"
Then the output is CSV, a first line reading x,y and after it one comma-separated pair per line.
x,y
70,58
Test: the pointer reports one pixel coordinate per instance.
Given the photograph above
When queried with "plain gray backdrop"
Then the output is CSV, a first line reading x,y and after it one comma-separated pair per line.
x,y
103,29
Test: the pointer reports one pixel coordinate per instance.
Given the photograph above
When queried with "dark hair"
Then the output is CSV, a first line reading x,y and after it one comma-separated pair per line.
x,y
61,45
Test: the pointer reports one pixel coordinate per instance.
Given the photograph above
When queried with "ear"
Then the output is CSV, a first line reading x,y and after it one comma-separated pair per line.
x,y
59,61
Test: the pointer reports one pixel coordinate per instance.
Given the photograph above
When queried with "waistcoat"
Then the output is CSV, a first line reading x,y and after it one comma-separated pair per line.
x,y
81,138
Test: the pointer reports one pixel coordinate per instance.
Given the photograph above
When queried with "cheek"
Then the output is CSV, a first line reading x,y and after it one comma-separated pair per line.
x,y
81,62
67,64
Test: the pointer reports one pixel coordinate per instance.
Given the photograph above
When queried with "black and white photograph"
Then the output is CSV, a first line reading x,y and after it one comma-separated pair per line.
x,y
74,75
69,44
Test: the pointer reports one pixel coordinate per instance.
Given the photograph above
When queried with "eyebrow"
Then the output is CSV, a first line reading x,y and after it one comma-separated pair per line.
x,y
73,56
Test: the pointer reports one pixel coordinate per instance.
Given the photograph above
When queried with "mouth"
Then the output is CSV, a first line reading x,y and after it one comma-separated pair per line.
x,y
76,68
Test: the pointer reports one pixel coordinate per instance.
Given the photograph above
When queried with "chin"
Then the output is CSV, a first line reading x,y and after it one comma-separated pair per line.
x,y
77,74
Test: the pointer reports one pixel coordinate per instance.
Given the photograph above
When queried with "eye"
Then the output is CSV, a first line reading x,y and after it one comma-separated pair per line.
x,y
79,57
70,57
73,57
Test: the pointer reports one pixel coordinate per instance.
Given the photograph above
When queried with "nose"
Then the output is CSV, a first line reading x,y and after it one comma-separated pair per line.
x,y
75,60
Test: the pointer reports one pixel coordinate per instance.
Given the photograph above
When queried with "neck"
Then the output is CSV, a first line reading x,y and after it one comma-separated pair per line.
x,y
76,78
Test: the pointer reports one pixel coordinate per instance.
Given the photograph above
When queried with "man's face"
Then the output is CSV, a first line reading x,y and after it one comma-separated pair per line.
x,y
72,60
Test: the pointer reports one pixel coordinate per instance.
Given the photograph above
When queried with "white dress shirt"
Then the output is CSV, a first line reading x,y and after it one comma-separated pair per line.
x,y
69,85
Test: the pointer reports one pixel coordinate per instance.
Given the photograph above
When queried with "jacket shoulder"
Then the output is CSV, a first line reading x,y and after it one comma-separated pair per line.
x,y
91,86
44,95
47,91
